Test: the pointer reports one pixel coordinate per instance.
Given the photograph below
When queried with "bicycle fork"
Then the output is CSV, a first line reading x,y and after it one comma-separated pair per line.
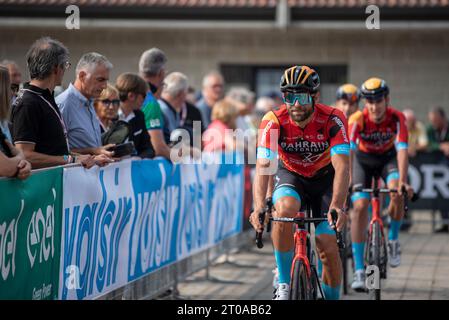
x,y
376,223
301,249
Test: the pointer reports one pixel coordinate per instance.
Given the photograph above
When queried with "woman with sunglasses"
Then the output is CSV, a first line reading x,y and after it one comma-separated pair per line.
x,y
106,107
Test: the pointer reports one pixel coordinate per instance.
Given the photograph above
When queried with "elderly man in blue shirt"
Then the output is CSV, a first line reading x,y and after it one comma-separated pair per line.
x,y
76,105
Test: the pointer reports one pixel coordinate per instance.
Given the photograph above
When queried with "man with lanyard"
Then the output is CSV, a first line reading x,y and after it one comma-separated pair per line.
x,y
38,128
378,146
313,147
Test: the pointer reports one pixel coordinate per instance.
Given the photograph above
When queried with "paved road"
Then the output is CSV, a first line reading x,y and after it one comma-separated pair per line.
x,y
422,275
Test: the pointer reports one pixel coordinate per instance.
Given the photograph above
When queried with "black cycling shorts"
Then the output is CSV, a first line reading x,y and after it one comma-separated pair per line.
x,y
315,192
366,166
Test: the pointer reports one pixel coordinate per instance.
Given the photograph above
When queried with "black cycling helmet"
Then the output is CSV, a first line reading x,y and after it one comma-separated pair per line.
x,y
300,78
348,92
374,88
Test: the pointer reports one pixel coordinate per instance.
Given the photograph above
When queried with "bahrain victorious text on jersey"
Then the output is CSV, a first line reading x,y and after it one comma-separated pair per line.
x,y
378,138
304,151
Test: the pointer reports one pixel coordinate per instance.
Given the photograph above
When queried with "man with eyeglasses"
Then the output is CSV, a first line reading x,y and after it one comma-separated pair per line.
x,y
76,105
38,128
310,139
379,143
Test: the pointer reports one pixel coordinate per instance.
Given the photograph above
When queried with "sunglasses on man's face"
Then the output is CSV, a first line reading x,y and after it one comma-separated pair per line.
x,y
108,102
302,98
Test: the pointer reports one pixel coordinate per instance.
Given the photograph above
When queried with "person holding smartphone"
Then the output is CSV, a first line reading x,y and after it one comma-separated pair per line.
x,y
132,91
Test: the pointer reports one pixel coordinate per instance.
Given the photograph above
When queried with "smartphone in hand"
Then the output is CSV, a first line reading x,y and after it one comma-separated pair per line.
x,y
123,149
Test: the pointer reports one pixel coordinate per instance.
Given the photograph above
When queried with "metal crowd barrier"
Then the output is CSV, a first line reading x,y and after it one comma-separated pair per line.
x,y
156,283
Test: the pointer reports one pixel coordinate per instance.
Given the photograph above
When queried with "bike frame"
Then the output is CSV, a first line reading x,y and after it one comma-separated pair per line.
x,y
303,249
301,237
375,203
300,240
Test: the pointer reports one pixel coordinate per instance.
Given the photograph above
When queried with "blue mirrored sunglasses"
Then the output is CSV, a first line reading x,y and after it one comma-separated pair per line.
x,y
302,98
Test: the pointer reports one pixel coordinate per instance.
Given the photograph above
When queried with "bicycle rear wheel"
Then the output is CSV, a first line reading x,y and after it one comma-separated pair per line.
x,y
300,282
375,243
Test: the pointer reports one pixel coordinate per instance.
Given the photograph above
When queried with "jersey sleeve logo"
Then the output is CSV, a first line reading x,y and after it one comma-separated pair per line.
x,y
341,127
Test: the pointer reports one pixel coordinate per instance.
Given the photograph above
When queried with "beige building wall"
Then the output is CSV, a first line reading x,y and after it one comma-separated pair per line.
x,y
415,63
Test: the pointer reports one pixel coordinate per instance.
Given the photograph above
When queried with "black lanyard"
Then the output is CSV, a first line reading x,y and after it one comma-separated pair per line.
x,y
61,121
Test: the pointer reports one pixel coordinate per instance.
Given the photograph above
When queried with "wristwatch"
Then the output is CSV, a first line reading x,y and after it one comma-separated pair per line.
x,y
69,159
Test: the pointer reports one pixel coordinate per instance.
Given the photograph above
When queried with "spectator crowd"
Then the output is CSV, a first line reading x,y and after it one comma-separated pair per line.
x,y
97,120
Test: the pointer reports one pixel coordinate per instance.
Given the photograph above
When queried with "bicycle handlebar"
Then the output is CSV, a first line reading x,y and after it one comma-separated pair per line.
x,y
385,190
299,220
269,206
371,190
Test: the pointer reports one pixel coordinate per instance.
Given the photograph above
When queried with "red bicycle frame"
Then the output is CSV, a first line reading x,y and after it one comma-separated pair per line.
x,y
300,239
375,203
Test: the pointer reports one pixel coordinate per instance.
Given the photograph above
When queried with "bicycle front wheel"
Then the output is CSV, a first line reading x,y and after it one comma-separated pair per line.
x,y
375,253
300,282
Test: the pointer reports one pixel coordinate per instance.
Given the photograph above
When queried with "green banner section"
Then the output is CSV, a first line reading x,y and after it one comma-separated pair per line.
x,y
30,236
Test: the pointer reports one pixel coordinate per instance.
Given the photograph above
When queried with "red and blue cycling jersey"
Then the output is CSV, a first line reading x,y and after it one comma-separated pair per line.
x,y
378,138
303,151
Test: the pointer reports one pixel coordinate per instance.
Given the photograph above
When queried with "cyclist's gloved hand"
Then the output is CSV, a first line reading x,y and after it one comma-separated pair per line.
x,y
407,187
341,220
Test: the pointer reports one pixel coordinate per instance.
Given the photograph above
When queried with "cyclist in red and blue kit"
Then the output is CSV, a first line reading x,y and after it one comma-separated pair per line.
x,y
378,148
311,144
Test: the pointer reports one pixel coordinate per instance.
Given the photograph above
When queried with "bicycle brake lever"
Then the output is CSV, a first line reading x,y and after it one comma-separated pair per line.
x,y
334,219
259,242
269,209
340,242
269,203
